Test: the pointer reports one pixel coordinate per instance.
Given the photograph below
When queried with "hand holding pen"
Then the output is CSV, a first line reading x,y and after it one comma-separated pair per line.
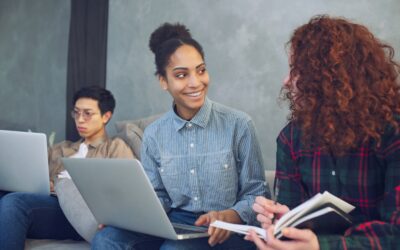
x,y
268,210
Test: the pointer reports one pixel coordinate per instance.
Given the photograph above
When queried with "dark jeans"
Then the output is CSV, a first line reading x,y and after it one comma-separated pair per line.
x,y
119,239
2,193
27,215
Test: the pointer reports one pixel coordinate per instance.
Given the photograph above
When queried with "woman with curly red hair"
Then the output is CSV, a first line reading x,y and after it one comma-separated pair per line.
x,y
343,136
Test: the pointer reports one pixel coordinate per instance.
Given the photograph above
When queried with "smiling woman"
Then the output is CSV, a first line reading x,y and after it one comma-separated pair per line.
x,y
187,84
202,158
180,67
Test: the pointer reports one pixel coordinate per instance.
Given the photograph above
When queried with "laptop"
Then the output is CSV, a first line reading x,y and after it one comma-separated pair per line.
x,y
23,162
119,193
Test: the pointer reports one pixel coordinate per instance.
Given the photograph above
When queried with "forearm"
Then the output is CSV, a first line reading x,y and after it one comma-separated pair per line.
x,y
244,209
251,188
252,181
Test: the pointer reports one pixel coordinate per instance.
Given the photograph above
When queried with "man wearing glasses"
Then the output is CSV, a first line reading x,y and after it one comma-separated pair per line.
x,y
27,215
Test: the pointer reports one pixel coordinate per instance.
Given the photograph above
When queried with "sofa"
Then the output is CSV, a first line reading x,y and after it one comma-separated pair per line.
x,y
131,131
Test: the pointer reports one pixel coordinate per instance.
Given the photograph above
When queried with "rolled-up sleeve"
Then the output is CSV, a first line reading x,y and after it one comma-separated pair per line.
x,y
251,173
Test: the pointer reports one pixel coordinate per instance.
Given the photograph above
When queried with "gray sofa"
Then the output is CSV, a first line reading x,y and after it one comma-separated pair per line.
x,y
56,245
132,133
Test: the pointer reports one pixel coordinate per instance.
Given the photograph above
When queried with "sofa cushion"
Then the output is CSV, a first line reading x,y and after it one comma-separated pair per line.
x,y
35,244
132,135
75,208
131,131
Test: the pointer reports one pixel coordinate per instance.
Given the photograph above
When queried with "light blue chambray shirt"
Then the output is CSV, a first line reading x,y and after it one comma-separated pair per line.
x,y
212,162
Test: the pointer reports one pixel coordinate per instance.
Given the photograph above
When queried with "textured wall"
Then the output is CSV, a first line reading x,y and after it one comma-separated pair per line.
x,y
244,47
243,42
33,60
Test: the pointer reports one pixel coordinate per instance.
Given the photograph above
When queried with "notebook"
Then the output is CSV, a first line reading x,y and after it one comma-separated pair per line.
x,y
119,193
23,162
323,214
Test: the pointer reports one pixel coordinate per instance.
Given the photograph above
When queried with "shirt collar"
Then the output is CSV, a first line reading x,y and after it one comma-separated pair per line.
x,y
98,142
201,118
94,144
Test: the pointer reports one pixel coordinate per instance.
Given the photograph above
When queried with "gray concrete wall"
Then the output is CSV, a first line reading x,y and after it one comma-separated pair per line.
x,y
244,47
33,65
243,41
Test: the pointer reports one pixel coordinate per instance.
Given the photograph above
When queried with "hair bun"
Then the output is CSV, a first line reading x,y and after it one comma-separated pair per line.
x,y
166,32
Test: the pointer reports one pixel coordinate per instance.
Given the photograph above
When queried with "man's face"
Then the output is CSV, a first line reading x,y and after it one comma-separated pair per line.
x,y
89,121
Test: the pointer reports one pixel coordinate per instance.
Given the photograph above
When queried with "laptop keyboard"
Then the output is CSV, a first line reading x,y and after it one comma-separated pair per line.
x,y
187,229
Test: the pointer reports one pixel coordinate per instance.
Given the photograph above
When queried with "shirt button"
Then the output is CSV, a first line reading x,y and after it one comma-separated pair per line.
x,y
192,171
189,125
333,172
192,145
226,166
161,170
195,198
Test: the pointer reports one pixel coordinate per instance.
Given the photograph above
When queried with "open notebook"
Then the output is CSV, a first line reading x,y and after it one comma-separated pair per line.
x,y
323,213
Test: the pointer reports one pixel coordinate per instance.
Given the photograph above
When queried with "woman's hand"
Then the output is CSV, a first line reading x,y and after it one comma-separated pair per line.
x,y
218,235
267,209
299,239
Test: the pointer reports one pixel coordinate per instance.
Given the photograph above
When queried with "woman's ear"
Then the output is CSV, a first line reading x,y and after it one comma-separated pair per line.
x,y
163,82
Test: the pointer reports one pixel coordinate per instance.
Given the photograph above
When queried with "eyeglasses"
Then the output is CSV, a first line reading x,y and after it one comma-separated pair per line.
x,y
86,115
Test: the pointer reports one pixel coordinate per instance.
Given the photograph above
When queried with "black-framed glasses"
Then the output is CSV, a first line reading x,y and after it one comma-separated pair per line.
x,y
86,114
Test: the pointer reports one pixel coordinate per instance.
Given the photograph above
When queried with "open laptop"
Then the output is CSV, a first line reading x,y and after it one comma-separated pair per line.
x,y
23,162
119,193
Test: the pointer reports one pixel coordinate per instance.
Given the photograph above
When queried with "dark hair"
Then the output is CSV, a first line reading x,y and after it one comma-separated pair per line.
x,y
347,84
104,97
166,39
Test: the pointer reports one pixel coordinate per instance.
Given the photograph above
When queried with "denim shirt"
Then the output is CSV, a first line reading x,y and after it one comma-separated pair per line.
x,y
212,162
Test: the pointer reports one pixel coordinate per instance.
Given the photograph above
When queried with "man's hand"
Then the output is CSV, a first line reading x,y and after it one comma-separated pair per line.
x,y
218,235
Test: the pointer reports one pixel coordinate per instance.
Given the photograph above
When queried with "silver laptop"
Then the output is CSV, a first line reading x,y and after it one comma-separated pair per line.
x,y
119,193
23,162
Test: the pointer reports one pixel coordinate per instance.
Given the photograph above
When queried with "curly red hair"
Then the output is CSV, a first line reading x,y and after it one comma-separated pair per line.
x,y
346,84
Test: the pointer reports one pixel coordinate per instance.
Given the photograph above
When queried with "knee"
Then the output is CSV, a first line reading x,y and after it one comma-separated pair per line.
x,y
13,209
169,244
184,244
109,238
100,238
115,238
13,203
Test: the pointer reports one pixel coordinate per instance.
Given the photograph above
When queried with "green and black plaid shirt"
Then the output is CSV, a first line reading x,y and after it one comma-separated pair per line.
x,y
368,179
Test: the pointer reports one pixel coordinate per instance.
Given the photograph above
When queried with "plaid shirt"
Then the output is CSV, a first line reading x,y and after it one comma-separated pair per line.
x,y
368,179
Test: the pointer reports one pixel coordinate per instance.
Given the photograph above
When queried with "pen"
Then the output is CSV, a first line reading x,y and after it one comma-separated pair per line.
x,y
276,192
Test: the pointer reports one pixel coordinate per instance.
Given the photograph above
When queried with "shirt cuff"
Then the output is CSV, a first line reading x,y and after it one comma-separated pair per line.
x,y
245,211
63,174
